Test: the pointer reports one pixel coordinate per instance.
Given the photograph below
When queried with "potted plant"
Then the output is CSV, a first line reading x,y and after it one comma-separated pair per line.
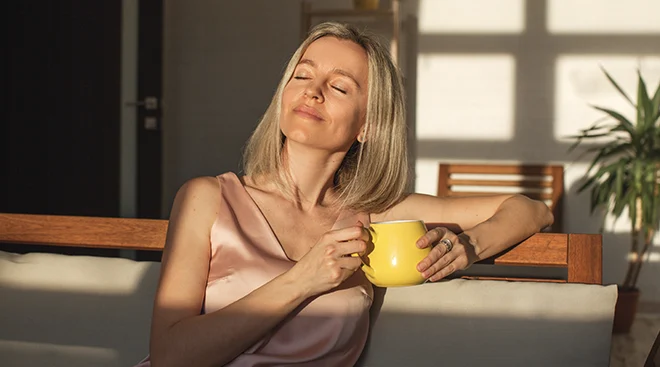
x,y
625,175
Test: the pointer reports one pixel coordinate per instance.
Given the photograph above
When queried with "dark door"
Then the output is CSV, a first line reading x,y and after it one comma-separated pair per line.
x,y
149,134
60,123
62,108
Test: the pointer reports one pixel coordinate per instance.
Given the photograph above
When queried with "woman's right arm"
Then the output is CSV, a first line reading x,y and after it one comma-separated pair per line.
x,y
180,336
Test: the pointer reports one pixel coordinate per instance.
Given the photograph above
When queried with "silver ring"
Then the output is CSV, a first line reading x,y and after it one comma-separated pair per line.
x,y
448,244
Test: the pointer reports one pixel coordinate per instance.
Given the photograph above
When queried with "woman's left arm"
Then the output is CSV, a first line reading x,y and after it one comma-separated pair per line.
x,y
477,227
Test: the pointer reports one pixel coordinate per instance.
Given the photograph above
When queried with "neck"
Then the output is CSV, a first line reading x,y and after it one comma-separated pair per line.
x,y
312,174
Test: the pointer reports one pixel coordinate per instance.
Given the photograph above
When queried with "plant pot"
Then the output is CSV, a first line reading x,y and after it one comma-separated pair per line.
x,y
625,310
366,4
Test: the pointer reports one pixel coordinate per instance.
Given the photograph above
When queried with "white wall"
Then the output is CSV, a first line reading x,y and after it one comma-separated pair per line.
x,y
510,87
222,62
488,80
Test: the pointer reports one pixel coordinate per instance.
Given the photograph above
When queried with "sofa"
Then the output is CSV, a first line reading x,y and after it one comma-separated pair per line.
x,y
72,310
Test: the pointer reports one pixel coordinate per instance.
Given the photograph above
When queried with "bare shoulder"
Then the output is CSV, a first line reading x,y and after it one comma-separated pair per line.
x,y
202,186
197,200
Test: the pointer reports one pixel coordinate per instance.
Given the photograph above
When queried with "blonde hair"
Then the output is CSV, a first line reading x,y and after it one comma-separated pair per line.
x,y
374,175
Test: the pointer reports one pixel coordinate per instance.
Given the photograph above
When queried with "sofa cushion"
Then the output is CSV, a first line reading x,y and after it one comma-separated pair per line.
x,y
493,323
60,310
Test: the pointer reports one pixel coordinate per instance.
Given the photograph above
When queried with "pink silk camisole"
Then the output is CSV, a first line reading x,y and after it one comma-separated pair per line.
x,y
327,330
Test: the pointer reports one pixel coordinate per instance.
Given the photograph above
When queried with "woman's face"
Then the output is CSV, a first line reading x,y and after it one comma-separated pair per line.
x,y
324,103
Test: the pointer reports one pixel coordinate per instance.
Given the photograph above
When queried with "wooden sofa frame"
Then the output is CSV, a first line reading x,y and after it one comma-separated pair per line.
x,y
579,254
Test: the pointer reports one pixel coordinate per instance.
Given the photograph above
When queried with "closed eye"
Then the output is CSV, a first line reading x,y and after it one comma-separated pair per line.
x,y
300,77
342,91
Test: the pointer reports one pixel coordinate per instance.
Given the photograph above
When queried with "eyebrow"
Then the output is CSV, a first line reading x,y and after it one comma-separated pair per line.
x,y
335,71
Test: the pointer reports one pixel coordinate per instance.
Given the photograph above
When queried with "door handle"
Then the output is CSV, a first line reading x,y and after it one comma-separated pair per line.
x,y
149,103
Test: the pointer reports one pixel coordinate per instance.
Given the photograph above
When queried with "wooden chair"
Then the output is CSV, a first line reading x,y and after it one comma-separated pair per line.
x,y
580,255
540,182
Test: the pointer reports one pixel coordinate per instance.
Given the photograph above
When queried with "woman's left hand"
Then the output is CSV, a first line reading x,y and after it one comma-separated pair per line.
x,y
449,254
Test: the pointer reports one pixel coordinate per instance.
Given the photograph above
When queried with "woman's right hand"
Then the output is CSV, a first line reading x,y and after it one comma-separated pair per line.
x,y
329,262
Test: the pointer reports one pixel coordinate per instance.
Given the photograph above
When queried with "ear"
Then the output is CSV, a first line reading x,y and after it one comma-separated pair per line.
x,y
362,136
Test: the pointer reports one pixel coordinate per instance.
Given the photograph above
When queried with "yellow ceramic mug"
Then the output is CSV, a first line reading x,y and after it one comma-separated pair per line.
x,y
393,260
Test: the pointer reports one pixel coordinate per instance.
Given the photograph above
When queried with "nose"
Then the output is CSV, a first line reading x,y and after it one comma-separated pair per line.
x,y
313,91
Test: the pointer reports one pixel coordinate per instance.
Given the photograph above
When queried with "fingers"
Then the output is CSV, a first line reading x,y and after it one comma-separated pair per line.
x,y
443,259
439,271
434,262
437,252
432,236
443,267
351,247
349,263
356,232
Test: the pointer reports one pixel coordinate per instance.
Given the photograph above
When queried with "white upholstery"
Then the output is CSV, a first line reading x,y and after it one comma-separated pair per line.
x,y
494,323
71,311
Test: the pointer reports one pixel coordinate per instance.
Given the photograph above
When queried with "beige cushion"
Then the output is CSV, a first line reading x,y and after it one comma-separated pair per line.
x,y
59,310
494,323
71,311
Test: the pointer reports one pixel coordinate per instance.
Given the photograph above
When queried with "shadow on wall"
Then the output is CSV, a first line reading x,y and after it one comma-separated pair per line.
x,y
534,51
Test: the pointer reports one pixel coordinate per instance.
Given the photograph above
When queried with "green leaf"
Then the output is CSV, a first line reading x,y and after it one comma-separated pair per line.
x,y
609,150
593,179
655,105
618,180
626,166
655,202
632,211
637,175
621,203
644,108
627,125
614,83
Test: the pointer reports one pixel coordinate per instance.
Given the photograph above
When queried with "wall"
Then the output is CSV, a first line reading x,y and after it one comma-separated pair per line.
x,y
481,87
511,88
222,62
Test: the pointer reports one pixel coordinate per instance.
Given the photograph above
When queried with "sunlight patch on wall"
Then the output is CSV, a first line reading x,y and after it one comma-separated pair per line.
x,y
652,257
603,16
474,16
426,179
465,97
580,83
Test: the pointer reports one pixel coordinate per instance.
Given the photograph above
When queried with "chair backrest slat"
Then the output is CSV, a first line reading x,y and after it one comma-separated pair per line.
x,y
539,182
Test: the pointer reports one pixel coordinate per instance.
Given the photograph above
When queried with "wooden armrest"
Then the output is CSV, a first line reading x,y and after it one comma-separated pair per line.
x,y
580,254
78,231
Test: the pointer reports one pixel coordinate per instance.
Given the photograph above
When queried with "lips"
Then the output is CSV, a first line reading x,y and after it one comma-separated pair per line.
x,y
308,112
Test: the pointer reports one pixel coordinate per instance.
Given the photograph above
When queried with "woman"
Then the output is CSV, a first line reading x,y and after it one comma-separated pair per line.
x,y
256,269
